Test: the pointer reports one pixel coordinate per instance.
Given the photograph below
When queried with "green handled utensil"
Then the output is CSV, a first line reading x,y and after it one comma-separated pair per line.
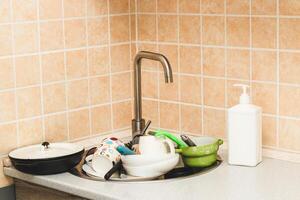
x,y
204,154
180,143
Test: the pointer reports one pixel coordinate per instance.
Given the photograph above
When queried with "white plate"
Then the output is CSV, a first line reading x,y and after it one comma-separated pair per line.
x,y
90,172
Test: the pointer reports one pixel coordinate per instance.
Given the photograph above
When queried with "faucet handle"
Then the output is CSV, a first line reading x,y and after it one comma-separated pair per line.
x,y
146,127
135,139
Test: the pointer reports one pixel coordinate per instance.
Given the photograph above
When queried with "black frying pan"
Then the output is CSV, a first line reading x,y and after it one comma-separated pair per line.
x,y
46,166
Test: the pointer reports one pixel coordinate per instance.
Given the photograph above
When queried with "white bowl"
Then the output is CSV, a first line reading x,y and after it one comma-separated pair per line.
x,y
144,159
156,169
203,140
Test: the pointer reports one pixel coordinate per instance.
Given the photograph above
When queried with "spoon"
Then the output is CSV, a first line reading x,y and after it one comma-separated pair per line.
x,y
188,140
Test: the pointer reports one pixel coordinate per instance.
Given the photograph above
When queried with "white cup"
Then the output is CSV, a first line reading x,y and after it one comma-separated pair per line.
x,y
104,158
152,145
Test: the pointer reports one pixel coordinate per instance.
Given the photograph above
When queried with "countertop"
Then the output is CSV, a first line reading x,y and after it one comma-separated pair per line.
x,y
270,180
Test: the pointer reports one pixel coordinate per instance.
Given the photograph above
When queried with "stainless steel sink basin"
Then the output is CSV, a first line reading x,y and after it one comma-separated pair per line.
x,y
180,172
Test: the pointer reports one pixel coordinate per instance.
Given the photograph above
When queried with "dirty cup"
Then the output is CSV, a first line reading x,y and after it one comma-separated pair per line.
x,y
152,145
105,157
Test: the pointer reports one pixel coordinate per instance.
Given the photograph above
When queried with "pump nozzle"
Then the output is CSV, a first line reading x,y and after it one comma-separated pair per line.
x,y
244,98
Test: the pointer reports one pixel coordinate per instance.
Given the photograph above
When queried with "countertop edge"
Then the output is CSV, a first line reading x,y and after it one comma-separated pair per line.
x,y
42,181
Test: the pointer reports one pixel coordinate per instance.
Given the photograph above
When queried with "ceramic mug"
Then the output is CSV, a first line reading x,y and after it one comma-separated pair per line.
x,y
118,145
152,145
104,158
112,141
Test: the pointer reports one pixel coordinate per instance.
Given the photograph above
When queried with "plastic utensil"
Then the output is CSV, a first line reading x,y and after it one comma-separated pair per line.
x,y
146,127
122,172
125,150
172,137
187,140
114,169
133,144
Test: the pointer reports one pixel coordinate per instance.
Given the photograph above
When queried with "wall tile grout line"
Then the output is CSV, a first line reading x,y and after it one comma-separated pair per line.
x,y
15,79
151,13
202,73
277,73
63,81
62,50
225,65
65,74
150,42
40,68
64,111
146,98
222,14
110,66
136,26
157,70
130,53
224,46
251,50
103,134
88,67
61,19
178,66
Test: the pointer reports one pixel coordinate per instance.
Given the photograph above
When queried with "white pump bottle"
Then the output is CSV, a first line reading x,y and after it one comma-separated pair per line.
x,y
244,132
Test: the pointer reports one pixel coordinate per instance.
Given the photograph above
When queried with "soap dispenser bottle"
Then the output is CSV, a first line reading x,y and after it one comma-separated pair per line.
x,y
244,132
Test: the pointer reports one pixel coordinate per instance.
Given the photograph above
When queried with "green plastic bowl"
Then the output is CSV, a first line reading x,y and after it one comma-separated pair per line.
x,y
205,146
202,155
201,161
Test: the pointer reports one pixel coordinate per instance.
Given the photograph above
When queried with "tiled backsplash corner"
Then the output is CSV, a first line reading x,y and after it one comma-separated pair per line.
x,y
213,44
64,70
66,67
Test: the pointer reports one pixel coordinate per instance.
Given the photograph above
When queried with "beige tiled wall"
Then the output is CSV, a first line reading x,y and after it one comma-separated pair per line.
x,y
213,44
64,70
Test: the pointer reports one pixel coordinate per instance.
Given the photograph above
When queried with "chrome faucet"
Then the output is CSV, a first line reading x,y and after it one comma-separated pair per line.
x,y
138,123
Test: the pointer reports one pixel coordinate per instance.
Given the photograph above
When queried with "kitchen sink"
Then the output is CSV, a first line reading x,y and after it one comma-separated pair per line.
x,y
179,172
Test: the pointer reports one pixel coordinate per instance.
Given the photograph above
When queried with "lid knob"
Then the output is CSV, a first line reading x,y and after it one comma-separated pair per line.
x,y
45,145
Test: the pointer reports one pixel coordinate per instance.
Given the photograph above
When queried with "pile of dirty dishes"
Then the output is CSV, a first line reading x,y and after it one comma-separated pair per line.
x,y
106,157
157,157
154,156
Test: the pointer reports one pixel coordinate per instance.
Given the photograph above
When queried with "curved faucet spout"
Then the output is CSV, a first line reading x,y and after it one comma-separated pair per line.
x,y
138,122
158,57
